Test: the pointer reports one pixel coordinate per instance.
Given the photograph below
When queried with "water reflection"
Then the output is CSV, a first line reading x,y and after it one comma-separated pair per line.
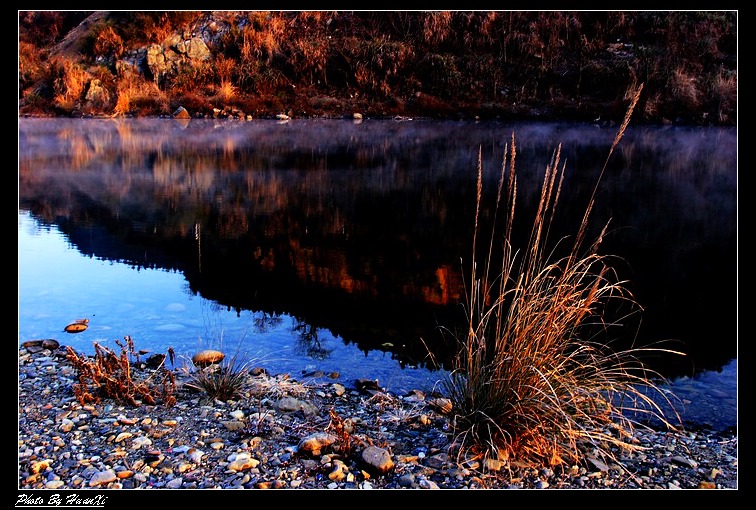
x,y
359,229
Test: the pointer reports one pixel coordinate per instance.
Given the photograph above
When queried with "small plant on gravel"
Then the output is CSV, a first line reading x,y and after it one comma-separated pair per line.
x,y
277,386
343,430
526,384
111,375
260,422
224,381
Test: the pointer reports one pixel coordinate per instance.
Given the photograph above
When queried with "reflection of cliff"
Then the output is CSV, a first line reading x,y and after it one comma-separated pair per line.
x,y
363,230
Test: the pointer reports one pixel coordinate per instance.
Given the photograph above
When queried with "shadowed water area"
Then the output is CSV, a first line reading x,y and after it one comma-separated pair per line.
x,y
318,247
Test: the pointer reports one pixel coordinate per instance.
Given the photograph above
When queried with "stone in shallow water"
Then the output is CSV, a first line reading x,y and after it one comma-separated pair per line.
x,y
35,346
207,357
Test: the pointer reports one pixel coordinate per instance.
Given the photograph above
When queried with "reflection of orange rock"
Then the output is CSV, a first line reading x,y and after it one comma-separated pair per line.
x,y
445,289
77,326
207,357
447,286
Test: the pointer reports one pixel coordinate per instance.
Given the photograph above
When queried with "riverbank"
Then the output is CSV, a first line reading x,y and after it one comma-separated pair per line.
x,y
507,65
282,434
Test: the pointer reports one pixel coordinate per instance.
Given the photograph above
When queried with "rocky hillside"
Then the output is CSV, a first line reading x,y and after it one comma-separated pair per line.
x,y
451,64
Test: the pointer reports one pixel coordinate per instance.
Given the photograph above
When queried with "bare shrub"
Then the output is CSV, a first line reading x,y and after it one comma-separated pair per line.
x,y
107,43
110,375
30,66
437,27
263,37
684,89
725,94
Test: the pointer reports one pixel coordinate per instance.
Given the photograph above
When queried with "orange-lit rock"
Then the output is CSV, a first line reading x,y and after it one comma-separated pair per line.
x,y
77,326
207,357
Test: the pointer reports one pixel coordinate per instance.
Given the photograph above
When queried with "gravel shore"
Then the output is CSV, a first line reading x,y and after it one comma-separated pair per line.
x,y
282,434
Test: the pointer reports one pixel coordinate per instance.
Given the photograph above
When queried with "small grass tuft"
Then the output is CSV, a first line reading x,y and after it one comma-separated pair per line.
x,y
224,381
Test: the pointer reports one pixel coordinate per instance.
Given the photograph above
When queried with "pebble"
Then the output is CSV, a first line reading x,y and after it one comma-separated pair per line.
x,y
282,435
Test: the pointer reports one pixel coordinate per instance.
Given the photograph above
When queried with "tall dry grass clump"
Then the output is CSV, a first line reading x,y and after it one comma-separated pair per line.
x,y
70,83
526,384
135,93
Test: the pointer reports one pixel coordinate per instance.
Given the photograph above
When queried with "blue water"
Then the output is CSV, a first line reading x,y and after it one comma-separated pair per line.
x,y
670,193
57,285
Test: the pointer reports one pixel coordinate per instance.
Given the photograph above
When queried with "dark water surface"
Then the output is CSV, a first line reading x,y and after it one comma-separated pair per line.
x,y
340,247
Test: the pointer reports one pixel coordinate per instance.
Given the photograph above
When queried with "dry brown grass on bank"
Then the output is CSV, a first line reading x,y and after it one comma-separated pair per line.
x,y
528,384
137,93
489,64
69,84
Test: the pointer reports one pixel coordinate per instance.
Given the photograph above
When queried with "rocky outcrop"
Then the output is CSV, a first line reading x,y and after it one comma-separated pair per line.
x,y
97,96
154,62
167,58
